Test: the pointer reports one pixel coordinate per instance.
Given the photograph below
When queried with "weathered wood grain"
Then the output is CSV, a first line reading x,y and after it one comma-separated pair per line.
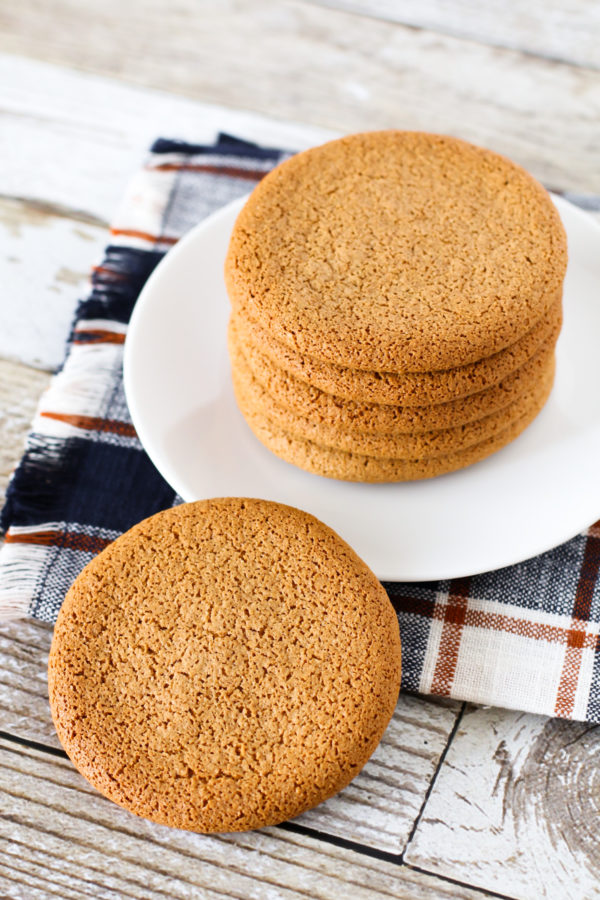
x,y
44,266
328,68
58,837
72,140
378,809
517,795
565,30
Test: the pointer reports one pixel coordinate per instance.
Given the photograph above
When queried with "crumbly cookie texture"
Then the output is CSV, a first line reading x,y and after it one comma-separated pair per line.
x,y
224,665
410,389
345,466
252,398
321,408
397,251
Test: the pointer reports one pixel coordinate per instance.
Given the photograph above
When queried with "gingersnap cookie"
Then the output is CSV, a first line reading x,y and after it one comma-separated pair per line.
x,y
349,466
397,251
224,665
373,418
410,389
252,398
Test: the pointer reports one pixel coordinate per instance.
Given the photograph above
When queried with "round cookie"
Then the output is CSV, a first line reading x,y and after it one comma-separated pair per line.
x,y
397,251
373,418
410,389
346,466
252,398
224,665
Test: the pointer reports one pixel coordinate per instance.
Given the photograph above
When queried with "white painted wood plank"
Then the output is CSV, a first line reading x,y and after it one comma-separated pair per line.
x,y
44,266
73,140
566,30
59,837
289,60
516,807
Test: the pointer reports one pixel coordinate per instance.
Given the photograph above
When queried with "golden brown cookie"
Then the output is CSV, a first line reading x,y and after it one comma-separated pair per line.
x,y
252,398
346,466
224,665
397,251
410,389
373,418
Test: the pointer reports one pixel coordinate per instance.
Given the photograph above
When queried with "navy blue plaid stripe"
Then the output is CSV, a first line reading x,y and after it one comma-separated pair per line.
x,y
226,145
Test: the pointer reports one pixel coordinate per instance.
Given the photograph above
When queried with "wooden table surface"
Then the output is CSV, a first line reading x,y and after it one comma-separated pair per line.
x,y
458,801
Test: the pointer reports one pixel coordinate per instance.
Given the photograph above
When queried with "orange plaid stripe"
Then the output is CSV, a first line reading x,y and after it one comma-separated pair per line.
x,y
98,336
454,614
93,423
232,171
69,540
588,576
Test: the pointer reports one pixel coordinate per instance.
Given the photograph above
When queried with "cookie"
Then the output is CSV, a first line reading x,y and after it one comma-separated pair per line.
x,y
411,389
346,466
373,418
252,398
224,665
397,252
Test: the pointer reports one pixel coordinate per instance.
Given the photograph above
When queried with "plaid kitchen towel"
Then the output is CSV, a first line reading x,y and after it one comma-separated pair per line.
x,y
525,637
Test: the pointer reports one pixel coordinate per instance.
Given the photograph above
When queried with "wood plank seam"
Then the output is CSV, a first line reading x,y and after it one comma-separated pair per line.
x,y
462,884
344,843
431,785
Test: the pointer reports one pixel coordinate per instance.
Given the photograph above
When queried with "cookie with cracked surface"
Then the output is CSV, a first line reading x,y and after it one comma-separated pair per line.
x,y
348,466
397,251
375,418
224,665
410,389
252,398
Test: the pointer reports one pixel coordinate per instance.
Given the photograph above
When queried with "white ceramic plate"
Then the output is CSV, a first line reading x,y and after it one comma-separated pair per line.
x,y
534,494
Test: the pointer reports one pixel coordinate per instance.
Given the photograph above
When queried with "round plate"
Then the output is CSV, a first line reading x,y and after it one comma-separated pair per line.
x,y
534,494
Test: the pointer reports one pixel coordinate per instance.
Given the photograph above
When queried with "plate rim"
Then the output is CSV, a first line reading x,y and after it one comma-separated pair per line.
x,y
144,302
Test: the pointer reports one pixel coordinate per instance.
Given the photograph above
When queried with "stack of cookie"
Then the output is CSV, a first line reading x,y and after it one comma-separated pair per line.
x,y
396,298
